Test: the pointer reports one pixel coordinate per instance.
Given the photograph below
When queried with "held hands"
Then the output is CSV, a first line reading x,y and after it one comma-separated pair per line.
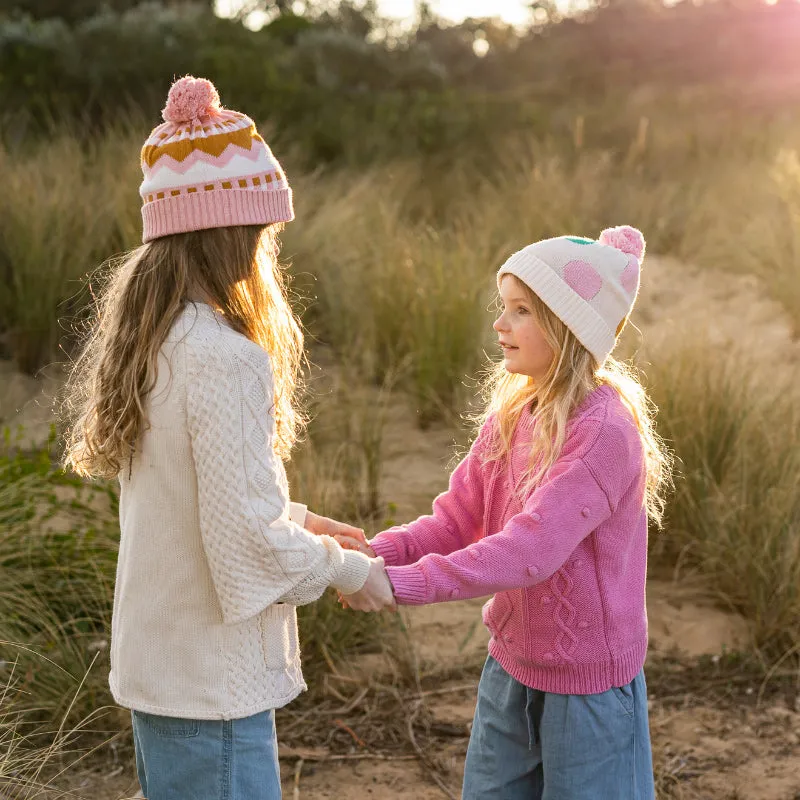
x,y
349,542
352,543
376,594
325,526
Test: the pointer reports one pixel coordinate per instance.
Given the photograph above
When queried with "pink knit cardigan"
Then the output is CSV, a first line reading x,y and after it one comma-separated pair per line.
x,y
566,563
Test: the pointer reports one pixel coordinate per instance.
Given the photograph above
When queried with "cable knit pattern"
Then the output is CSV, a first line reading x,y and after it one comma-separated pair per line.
x,y
564,614
211,564
566,564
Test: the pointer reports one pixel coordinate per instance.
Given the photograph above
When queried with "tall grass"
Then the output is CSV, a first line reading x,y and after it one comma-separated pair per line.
x,y
761,230
58,544
29,761
336,470
735,515
413,242
61,215
393,296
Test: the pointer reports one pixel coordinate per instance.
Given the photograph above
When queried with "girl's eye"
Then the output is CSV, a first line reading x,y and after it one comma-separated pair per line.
x,y
522,310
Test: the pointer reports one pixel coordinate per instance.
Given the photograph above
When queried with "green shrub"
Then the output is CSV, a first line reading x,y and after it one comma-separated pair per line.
x,y
58,546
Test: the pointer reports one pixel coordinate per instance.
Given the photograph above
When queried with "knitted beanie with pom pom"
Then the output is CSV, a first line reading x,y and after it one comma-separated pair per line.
x,y
207,167
589,285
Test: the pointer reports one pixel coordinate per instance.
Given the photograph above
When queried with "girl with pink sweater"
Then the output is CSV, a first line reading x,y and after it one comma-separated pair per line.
x,y
548,512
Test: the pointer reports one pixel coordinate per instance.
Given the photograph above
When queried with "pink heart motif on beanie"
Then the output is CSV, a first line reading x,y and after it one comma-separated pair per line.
x,y
590,285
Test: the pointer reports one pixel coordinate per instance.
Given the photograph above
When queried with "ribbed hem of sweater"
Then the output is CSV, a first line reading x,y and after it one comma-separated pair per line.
x,y
221,208
573,678
409,584
353,573
187,712
386,549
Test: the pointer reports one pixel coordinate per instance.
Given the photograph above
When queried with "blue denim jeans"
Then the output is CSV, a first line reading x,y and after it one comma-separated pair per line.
x,y
191,759
542,746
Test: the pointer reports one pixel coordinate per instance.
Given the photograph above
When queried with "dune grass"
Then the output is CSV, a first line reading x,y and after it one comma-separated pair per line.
x,y
735,516
414,241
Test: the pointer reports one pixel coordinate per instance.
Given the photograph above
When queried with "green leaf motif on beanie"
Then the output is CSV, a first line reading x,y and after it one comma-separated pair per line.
x,y
579,240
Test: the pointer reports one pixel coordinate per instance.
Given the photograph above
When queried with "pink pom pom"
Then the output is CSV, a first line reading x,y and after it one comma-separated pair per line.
x,y
190,99
625,238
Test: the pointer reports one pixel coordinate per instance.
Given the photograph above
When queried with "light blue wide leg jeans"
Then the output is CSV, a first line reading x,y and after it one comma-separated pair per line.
x,y
189,759
532,745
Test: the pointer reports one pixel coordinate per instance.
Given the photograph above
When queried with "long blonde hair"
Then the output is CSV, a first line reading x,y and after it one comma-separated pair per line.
x,y
236,269
572,375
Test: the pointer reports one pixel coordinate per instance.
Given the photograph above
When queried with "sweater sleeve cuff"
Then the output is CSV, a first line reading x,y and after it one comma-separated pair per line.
x,y
386,548
297,513
353,572
409,584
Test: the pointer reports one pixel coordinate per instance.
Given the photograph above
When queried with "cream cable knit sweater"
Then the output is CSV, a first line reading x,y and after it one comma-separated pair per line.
x,y
211,566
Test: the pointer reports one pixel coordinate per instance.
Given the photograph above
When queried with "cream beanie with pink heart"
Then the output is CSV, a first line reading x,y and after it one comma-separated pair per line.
x,y
589,285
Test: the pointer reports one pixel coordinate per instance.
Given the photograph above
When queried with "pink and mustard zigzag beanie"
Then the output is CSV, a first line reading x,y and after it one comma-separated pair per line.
x,y
207,167
589,285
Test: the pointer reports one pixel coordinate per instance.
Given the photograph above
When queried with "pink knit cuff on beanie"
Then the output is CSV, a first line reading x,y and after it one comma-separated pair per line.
x,y
221,208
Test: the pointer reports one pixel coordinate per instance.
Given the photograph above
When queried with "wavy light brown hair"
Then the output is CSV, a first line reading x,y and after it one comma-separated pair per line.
x,y
573,374
234,269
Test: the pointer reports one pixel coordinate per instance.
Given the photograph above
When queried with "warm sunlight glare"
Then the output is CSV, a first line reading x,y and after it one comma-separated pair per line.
x,y
515,12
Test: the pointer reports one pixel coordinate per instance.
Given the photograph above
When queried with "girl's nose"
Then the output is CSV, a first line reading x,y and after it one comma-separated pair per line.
x,y
499,323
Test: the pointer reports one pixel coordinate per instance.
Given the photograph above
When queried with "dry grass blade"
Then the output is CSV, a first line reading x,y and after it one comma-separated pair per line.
x,y
424,757
29,769
298,771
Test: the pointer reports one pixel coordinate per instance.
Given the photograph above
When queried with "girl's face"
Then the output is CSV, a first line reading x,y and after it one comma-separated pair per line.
x,y
525,349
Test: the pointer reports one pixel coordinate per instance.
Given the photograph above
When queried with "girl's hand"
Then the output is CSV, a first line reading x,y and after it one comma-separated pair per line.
x,y
376,594
351,543
325,526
